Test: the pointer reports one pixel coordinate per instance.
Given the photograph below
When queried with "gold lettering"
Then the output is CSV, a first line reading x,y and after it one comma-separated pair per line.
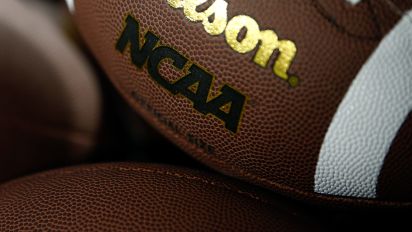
x,y
176,3
287,50
268,38
218,10
250,40
270,42
189,8
284,61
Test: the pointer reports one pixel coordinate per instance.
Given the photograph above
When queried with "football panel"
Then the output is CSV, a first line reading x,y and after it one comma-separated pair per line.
x,y
133,197
368,120
281,155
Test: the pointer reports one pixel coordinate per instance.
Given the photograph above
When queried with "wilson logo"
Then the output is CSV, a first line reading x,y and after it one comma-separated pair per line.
x,y
195,85
215,22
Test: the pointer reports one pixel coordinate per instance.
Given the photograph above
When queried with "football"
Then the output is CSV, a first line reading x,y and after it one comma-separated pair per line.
x,y
309,98
133,197
49,99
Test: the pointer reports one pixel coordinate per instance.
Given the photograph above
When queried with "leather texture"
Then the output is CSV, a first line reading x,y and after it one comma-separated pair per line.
x,y
282,129
367,121
141,197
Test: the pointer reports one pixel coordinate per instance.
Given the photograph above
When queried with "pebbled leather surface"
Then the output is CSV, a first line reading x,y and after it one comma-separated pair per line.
x,y
282,129
141,197
368,121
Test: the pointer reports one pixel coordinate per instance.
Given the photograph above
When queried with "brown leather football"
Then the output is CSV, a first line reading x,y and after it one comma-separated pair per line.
x,y
136,197
49,99
310,98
